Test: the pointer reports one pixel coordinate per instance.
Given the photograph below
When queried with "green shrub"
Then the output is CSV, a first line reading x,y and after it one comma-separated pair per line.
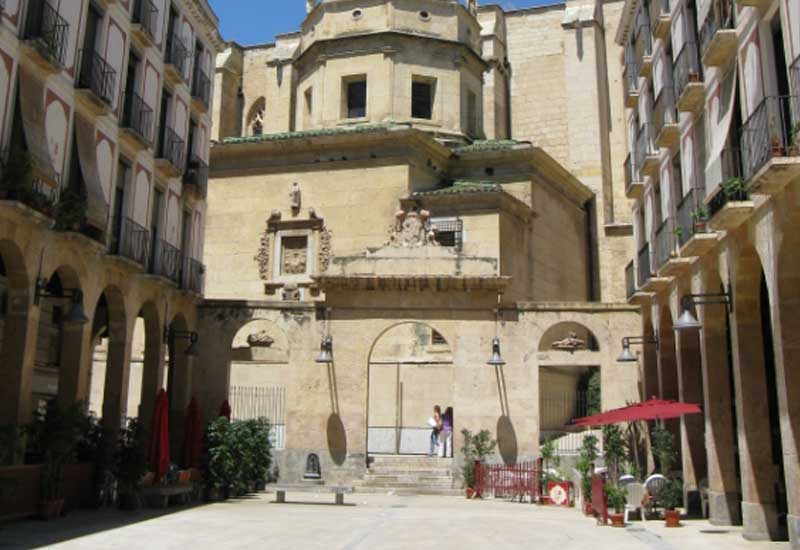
x,y
130,457
616,497
615,451
663,445
588,456
670,496
476,448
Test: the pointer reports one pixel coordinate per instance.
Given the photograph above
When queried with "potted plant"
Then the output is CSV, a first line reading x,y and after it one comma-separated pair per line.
x,y
585,466
476,448
130,464
734,189
671,498
71,209
700,217
219,461
615,450
795,148
615,497
663,445
53,438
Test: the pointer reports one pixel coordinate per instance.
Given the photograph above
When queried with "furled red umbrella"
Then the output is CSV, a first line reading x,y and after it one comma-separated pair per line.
x,y
225,409
654,409
193,436
159,437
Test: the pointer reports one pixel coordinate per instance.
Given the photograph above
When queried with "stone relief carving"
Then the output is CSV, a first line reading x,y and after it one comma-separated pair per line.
x,y
262,258
412,230
260,340
295,197
294,255
291,292
325,249
570,343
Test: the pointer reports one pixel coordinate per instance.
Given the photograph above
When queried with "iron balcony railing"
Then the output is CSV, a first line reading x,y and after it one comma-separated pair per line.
x,y
177,54
630,279
665,110
794,76
145,14
631,173
732,186
196,174
665,243
39,194
644,42
631,78
192,276
97,75
720,16
201,86
643,265
171,148
687,68
688,216
645,144
657,9
130,240
137,116
166,261
2,8
771,130
48,29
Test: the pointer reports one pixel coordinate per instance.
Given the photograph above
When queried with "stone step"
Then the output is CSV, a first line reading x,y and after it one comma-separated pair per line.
x,y
410,472
400,478
399,491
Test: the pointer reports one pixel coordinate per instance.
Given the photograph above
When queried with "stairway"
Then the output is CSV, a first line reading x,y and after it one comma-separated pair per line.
x,y
409,475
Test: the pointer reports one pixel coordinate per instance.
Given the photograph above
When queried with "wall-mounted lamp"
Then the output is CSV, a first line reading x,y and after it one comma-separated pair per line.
x,y
496,360
76,314
687,321
326,346
627,356
193,337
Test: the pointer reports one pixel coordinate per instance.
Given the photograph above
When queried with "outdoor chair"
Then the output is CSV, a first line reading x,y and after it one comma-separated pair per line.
x,y
653,485
626,480
635,494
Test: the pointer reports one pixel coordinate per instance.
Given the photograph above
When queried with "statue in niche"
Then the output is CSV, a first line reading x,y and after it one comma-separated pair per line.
x,y
571,343
295,197
412,230
260,340
313,470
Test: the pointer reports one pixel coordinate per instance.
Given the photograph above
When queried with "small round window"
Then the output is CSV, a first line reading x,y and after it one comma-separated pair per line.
x,y
424,15
357,14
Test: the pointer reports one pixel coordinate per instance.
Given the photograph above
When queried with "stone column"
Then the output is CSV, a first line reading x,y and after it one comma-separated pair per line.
x,y
152,376
668,373
74,363
115,392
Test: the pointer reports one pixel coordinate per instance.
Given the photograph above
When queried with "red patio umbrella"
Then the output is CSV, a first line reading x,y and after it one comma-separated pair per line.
x,y
193,436
654,409
225,409
159,437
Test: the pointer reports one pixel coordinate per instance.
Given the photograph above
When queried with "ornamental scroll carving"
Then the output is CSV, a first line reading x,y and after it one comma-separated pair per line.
x,y
571,343
412,230
262,258
260,340
325,249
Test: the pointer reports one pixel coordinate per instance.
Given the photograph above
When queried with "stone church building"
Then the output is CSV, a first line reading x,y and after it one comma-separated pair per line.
x,y
399,189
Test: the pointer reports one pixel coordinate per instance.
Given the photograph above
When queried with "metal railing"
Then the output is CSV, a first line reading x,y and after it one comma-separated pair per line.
x,y
568,443
251,403
665,243
665,110
731,169
794,77
768,132
631,78
687,68
192,276
630,279
687,213
645,144
171,148
39,194
720,16
145,13
196,174
137,116
201,86
97,75
657,9
50,31
166,261
644,42
559,410
130,240
177,54
644,271
631,173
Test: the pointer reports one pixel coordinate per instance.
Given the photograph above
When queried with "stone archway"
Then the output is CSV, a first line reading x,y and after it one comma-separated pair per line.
x,y
410,371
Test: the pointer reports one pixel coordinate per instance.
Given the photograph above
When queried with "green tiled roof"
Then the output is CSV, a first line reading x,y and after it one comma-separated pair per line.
x,y
462,187
487,145
345,130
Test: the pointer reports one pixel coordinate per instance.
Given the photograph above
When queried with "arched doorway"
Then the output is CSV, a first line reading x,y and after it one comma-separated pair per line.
x,y
410,371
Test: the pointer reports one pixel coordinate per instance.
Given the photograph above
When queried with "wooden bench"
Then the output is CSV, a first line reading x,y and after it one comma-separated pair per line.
x,y
338,490
158,496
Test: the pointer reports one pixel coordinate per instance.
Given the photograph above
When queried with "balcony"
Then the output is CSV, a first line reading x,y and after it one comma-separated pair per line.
x,y
129,240
770,145
136,121
21,183
665,119
145,22
47,34
648,281
96,81
660,18
718,35
647,154
196,176
688,79
201,90
634,187
667,262
630,280
170,153
644,50
166,261
630,78
192,276
177,54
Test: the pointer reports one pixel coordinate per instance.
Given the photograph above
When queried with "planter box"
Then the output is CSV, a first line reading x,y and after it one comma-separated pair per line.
x,y
20,489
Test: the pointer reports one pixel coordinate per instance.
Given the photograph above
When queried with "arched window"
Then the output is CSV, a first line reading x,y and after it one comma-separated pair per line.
x,y
255,118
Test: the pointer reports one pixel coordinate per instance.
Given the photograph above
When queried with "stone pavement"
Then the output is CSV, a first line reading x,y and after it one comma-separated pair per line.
x,y
370,522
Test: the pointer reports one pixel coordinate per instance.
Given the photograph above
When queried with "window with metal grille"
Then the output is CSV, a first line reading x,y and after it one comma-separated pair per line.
x,y
422,99
357,99
449,232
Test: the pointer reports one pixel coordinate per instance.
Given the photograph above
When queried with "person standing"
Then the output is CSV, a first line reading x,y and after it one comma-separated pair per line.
x,y
435,423
446,435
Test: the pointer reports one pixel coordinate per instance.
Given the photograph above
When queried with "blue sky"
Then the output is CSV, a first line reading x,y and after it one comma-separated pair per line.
x,y
258,21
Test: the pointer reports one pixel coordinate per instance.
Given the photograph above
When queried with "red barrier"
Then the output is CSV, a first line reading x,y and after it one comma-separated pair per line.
x,y
599,503
508,481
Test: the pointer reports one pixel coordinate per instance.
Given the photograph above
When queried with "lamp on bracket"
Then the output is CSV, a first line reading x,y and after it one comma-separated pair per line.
x,y
76,314
193,338
325,356
627,355
496,360
687,320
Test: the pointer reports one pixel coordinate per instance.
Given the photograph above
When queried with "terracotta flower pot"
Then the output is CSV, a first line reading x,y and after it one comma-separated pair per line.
x,y
672,518
617,520
470,492
587,508
51,510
